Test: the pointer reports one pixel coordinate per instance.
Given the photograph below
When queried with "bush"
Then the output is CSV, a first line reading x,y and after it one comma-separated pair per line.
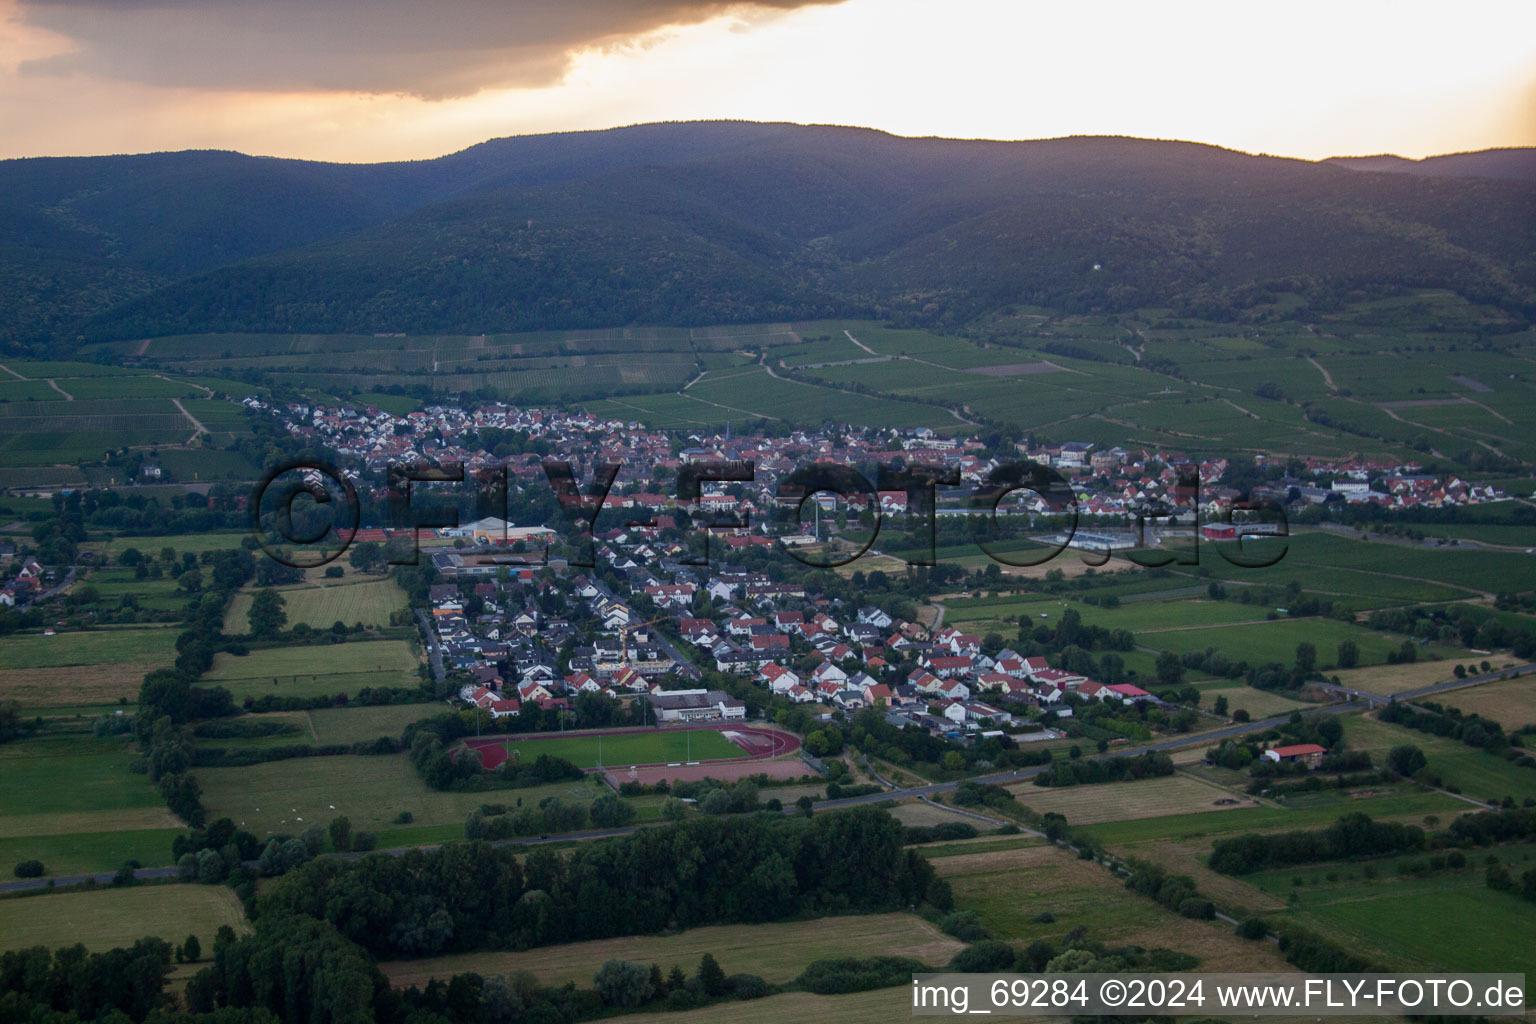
x,y
1201,910
30,869
404,818
746,986
1252,928
984,957
964,925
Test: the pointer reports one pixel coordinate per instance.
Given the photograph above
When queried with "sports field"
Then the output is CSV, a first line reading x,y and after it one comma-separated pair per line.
x,y
777,952
106,918
658,746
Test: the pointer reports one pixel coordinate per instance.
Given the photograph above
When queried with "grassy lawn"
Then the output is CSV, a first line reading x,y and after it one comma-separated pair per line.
x,y
1475,772
776,952
370,601
107,918
289,796
78,853
353,724
634,748
145,644
315,669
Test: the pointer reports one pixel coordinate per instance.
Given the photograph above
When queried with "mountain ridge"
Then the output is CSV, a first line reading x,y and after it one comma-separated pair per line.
x,y
729,221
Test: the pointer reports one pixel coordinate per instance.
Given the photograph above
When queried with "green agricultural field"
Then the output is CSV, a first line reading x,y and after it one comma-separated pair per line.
x,y
776,952
1385,918
370,601
315,669
355,724
1476,773
178,542
288,796
659,747
91,647
1276,640
1318,810
106,918
1149,617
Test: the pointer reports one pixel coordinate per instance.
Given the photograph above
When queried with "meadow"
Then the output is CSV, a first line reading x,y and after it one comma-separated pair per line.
x,y
1276,641
315,669
105,918
1011,889
357,724
288,796
776,951
1475,928
1476,773
370,601
659,747
140,644
1258,703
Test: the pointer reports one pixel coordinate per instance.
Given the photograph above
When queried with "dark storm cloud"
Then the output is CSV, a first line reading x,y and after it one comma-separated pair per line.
x,y
436,49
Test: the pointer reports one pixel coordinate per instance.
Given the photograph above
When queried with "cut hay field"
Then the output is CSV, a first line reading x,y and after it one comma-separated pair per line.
x,y
1258,703
67,686
371,791
315,669
106,918
1126,801
776,952
369,601
1390,679
1510,702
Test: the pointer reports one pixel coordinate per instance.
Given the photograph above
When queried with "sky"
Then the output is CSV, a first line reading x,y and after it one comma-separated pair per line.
x,y
369,80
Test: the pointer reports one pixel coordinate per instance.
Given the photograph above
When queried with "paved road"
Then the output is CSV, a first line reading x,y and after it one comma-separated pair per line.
x,y
434,649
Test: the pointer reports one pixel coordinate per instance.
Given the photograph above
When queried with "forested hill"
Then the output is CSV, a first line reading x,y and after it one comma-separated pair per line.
x,y
725,221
